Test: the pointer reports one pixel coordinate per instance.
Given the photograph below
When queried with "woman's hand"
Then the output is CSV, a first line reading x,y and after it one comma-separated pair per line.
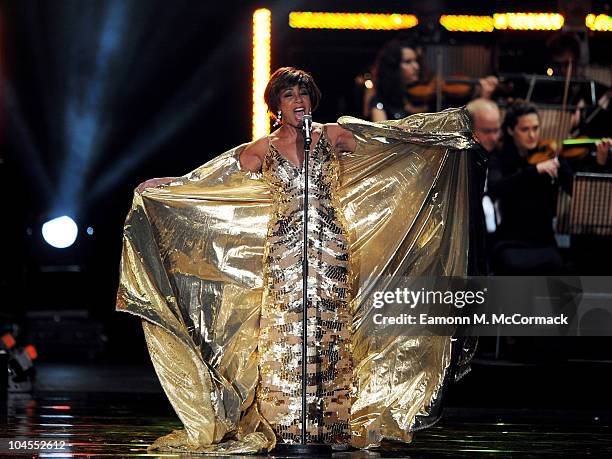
x,y
154,182
550,167
487,86
603,150
378,114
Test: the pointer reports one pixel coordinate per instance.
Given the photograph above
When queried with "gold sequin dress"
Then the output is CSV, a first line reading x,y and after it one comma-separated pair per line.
x,y
329,319
211,263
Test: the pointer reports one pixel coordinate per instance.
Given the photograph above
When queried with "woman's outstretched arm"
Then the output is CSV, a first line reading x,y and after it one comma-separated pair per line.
x,y
253,155
341,138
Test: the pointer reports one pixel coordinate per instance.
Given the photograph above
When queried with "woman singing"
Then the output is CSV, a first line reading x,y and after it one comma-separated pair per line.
x,y
291,94
212,263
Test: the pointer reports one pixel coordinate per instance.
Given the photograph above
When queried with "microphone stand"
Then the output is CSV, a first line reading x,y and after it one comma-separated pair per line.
x,y
303,448
307,128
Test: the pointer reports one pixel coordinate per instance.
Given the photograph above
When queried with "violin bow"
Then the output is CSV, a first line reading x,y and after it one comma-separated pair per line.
x,y
559,135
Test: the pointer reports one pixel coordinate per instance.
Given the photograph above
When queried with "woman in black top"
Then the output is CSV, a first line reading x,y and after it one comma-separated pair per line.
x,y
527,197
397,69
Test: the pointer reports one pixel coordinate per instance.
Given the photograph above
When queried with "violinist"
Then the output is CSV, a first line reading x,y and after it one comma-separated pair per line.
x,y
564,56
397,69
402,89
526,194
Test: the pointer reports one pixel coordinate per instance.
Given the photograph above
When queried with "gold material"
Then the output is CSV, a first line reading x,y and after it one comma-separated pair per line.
x,y
200,256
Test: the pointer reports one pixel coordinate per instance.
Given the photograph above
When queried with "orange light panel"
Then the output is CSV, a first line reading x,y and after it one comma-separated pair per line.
x,y
599,22
467,23
262,19
354,21
528,21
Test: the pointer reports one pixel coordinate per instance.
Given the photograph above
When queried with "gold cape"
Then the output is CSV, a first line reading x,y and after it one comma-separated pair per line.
x,y
191,267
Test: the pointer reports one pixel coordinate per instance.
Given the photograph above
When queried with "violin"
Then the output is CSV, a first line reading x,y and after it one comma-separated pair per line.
x,y
570,149
454,86
578,148
546,149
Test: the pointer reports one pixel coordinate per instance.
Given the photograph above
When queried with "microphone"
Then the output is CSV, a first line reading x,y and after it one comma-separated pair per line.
x,y
307,128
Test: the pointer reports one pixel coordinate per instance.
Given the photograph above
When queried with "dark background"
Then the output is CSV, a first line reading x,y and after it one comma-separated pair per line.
x,y
99,95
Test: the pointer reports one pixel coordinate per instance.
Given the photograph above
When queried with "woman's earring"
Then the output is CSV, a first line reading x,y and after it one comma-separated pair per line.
x,y
279,118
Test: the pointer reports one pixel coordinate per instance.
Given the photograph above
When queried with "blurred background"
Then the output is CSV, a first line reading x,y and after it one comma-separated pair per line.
x,y
99,95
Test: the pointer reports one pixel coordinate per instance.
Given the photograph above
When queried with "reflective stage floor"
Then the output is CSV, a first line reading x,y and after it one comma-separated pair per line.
x,y
497,411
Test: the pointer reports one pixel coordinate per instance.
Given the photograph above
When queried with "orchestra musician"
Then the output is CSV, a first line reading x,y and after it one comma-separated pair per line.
x,y
486,125
526,193
397,69
402,87
486,120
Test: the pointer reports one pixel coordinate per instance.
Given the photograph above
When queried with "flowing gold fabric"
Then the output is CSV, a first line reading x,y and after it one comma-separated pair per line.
x,y
192,268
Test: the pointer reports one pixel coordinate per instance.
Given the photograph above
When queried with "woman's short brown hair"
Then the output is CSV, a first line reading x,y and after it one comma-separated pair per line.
x,y
287,77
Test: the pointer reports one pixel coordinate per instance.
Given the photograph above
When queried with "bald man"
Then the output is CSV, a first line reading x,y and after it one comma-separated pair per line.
x,y
487,129
487,122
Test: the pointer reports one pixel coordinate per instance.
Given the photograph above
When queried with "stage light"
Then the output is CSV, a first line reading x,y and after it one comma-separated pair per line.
x,y
353,21
549,71
528,21
178,109
261,70
83,119
467,23
21,367
599,22
368,84
7,342
61,232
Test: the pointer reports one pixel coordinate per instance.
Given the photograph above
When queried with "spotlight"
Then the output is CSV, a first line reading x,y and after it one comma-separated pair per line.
x,y
21,370
7,342
60,232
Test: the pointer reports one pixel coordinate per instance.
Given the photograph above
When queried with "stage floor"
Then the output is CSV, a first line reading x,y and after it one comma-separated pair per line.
x,y
118,411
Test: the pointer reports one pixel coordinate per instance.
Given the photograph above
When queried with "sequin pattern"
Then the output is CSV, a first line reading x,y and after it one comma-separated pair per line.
x,y
280,341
